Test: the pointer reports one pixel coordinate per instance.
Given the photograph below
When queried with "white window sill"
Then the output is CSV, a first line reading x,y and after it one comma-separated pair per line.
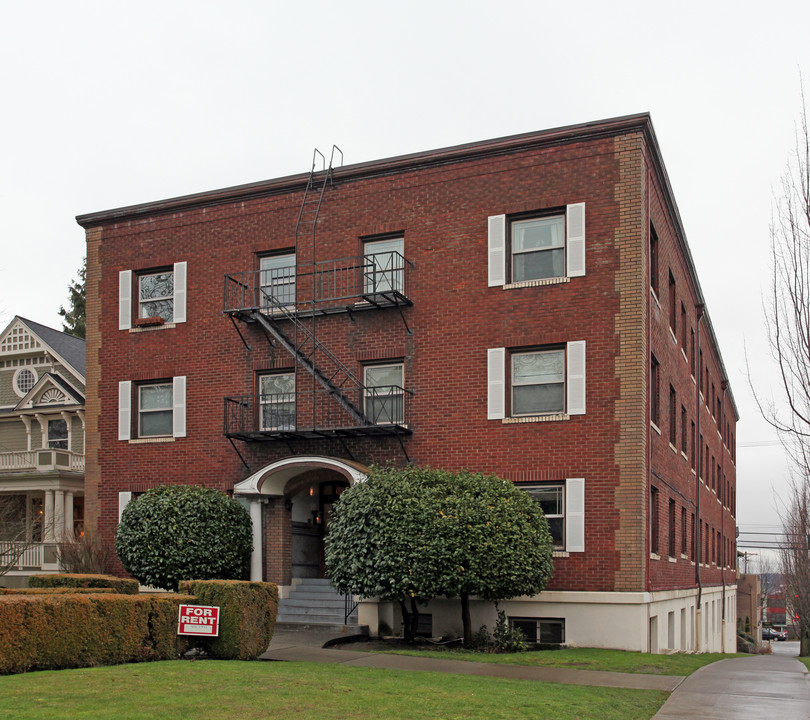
x,y
560,554
673,448
654,556
685,557
146,441
536,283
672,335
150,328
535,419
672,559
655,427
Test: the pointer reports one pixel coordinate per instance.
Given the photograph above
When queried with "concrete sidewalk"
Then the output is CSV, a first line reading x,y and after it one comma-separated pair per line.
x,y
307,646
763,686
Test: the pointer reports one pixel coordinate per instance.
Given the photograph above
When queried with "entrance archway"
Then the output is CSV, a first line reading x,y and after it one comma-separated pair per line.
x,y
290,503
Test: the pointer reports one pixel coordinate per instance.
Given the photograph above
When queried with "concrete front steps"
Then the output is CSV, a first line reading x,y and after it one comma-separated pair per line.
x,y
315,604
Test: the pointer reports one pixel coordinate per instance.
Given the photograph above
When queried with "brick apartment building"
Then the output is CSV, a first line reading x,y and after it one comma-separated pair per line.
x,y
525,306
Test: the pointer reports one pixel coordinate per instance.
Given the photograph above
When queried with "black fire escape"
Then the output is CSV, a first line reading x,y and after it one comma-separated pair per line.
x,y
328,399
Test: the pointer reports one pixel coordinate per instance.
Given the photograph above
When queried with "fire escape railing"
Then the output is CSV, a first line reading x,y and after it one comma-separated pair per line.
x,y
384,410
379,280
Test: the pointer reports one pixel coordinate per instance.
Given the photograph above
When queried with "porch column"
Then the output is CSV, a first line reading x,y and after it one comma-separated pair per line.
x,y
69,515
58,515
256,555
47,530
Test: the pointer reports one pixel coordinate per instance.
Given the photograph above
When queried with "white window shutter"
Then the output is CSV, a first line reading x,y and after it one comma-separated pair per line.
x,y
496,243
179,406
496,383
125,300
575,514
575,380
124,410
575,240
123,500
180,272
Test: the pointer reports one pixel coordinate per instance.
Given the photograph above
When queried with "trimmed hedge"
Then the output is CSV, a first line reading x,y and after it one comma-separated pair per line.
x,y
49,632
124,586
53,591
247,616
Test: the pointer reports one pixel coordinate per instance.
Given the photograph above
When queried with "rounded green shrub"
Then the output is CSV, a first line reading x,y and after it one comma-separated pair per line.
x,y
184,532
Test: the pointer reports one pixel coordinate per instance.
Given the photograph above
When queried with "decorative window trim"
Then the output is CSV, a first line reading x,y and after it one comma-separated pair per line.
x,y
16,379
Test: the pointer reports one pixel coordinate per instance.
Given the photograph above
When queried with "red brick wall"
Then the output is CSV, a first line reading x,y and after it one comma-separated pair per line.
x,y
442,213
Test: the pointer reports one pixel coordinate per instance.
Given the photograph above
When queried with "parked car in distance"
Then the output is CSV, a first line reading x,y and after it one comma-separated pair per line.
x,y
773,634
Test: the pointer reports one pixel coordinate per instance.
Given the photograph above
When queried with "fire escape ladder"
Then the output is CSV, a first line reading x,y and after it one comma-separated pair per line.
x,y
336,380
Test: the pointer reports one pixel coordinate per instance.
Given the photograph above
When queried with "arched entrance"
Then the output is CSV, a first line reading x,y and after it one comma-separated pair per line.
x,y
290,505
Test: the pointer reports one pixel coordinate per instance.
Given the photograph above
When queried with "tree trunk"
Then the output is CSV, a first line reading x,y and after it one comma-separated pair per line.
x,y
465,619
410,620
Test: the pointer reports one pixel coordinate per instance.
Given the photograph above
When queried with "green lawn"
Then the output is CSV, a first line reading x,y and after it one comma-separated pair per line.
x,y
805,660
582,658
214,690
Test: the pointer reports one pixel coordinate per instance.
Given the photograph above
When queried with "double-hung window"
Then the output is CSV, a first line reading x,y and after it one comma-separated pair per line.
x,y
552,500
277,281
155,406
538,382
159,409
563,504
384,267
534,248
384,394
58,434
158,294
538,248
277,401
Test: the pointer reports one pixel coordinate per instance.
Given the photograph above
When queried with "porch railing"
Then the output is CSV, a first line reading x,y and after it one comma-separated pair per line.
x,y
43,460
28,555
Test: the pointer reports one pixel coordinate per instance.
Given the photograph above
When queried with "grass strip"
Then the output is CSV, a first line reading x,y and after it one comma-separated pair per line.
x,y
625,661
219,690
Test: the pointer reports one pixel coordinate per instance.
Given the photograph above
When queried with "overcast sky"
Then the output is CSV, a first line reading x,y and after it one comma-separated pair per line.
x,y
107,104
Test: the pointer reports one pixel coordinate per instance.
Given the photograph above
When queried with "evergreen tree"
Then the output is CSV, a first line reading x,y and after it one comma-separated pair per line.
x,y
74,318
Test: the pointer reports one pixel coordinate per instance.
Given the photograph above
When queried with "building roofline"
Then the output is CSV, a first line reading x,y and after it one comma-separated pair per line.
x,y
374,168
640,122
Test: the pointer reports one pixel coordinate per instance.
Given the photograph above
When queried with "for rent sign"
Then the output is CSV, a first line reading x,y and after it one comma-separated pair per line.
x,y
198,620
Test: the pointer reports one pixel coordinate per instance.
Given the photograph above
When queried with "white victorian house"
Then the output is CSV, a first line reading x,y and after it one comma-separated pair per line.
x,y
42,387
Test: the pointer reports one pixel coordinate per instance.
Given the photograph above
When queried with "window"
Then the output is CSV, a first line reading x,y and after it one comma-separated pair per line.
x,y
544,381
684,531
692,538
672,545
653,260
673,307
156,296
159,294
540,630
58,434
385,265
655,409
155,410
538,382
683,326
24,380
160,409
654,520
277,280
673,416
537,247
684,431
384,394
551,499
692,442
692,351
277,401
